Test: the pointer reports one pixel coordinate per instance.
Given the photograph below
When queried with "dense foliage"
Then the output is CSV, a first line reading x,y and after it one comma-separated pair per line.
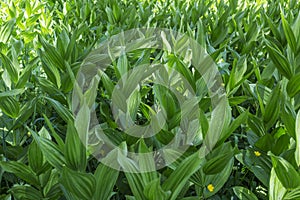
x,y
256,47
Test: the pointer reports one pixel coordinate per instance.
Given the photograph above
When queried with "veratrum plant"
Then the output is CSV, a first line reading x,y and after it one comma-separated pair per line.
x,y
256,48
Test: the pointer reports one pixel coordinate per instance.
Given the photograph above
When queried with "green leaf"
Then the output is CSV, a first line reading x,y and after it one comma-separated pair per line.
x,y
276,189
221,116
217,180
122,65
10,67
177,180
243,193
281,63
297,152
10,106
75,151
182,68
242,118
285,172
6,30
82,123
63,112
51,56
48,87
106,178
57,138
237,73
153,191
35,157
288,32
293,194
288,116
260,166
11,92
135,180
293,86
25,192
108,84
82,185
50,150
272,108
218,159
265,142
20,170
52,72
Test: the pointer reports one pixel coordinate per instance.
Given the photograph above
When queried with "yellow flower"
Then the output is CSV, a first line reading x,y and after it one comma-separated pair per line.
x,y
210,187
257,153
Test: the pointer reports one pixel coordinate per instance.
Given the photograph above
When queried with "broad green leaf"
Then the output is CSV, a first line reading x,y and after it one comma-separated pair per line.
x,y
35,157
297,152
293,86
273,107
165,41
146,162
10,106
153,191
52,72
293,194
11,92
219,122
130,197
243,193
48,87
135,180
260,165
265,142
276,189
82,123
166,100
51,186
106,178
108,84
75,151
217,181
10,67
204,123
50,150
24,114
218,160
122,65
63,112
256,125
272,26
242,118
282,144
25,192
288,116
51,56
285,172
280,62
20,170
176,181
289,34
80,184
237,73
54,134
182,68
6,30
